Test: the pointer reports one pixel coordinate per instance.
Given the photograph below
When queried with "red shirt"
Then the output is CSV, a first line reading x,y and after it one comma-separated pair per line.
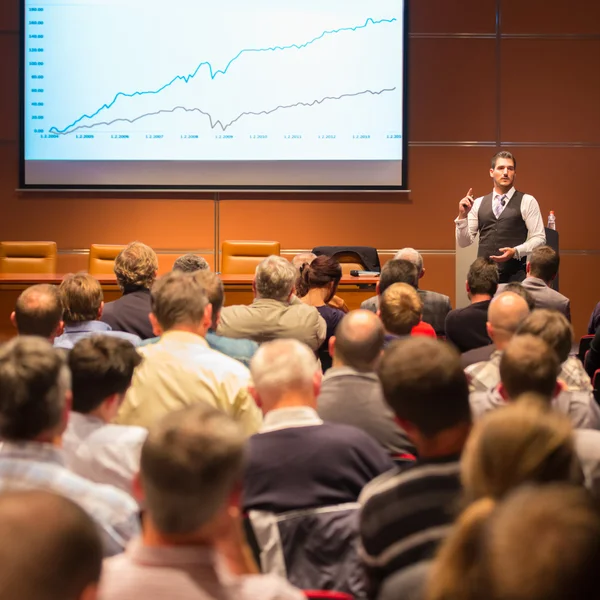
x,y
423,329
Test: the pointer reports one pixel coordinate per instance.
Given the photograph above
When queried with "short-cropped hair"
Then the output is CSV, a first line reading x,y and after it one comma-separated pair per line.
x,y
398,270
81,296
178,298
215,291
282,365
552,327
359,340
518,288
412,255
529,364
400,308
424,384
50,549
190,263
100,367
504,154
544,263
38,310
275,277
34,381
483,276
136,266
190,463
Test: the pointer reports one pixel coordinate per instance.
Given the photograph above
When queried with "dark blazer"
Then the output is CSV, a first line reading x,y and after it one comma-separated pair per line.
x,y
544,296
130,313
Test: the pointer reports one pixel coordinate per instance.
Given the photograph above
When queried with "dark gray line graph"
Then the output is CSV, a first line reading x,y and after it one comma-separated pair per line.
x,y
224,126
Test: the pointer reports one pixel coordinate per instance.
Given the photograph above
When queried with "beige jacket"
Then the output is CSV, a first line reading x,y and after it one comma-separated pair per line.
x,y
267,319
181,370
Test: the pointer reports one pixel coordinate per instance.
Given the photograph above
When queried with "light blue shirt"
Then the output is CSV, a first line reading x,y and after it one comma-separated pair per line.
x,y
77,331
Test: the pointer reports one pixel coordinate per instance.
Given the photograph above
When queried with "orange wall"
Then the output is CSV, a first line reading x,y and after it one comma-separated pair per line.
x,y
532,85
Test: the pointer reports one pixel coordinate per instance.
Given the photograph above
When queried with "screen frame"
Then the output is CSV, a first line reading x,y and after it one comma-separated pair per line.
x,y
24,186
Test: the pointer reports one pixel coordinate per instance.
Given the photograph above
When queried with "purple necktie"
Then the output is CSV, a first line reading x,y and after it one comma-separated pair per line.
x,y
499,205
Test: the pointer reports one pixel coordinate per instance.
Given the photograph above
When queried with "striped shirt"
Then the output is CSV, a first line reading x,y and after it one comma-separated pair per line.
x,y
405,514
184,573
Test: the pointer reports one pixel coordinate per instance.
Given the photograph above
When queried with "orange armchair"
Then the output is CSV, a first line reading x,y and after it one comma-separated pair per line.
x,y
28,257
102,258
241,257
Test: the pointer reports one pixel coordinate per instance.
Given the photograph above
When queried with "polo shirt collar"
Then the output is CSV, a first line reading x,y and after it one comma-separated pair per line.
x,y
346,371
183,337
169,556
284,418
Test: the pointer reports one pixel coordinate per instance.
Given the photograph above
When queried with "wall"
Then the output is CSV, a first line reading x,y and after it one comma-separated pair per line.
x,y
521,74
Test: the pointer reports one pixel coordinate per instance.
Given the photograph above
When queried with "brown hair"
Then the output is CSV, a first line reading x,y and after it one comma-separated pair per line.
x,y
136,266
400,308
544,263
483,276
504,154
81,296
398,270
215,291
321,272
552,327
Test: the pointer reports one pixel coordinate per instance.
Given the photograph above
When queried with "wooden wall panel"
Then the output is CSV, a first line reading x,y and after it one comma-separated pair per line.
x,y
9,77
448,102
441,16
550,90
9,15
541,16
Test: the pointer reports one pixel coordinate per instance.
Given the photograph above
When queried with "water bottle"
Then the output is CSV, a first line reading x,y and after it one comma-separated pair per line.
x,y
551,220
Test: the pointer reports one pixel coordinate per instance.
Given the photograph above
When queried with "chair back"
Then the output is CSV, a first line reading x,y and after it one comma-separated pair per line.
x,y
352,257
28,257
596,385
102,258
242,257
584,345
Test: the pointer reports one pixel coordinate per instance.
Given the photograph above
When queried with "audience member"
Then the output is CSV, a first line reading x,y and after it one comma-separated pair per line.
x,y
517,288
191,544
35,398
181,369
554,328
136,267
190,263
435,306
299,260
83,303
298,462
351,391
592,360
320,280
594,323
488,557
51,548
275,311
101,371
38,311
527,365
401,309
405,514
466,328
542,269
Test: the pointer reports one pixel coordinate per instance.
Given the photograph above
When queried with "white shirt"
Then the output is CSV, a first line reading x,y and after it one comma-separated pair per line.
x,y
103,452
466,229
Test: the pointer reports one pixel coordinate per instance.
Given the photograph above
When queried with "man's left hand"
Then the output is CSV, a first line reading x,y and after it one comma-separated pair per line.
x,y
507,254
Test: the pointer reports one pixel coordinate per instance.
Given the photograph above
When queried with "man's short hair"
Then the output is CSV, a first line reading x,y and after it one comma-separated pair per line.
x,y
359,340
400,308
483,276
34,380
424,384
50,547
178,298
136,266
529,364
215,291
81,296
552,327
544,263
190,263
275,277
398,270
100,367
504,154
411,255
518,288
38,310
190,463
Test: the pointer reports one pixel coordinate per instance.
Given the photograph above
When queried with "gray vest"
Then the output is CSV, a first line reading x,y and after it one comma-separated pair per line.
x,y
507,231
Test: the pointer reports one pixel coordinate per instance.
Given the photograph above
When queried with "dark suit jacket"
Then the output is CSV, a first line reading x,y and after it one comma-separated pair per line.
x,y
130,313
544,296
435,308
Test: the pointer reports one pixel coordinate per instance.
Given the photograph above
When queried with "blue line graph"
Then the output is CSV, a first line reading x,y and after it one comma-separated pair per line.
x,y
213,73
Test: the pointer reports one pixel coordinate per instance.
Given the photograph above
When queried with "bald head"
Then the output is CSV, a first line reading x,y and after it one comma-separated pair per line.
x,y
506,313
50,548
358,341
38,311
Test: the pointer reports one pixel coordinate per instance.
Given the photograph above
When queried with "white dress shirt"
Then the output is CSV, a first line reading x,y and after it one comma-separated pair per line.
x,y
466,229
103,452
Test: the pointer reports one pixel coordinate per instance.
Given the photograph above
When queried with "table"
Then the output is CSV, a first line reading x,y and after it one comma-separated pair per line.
x,y
238,290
